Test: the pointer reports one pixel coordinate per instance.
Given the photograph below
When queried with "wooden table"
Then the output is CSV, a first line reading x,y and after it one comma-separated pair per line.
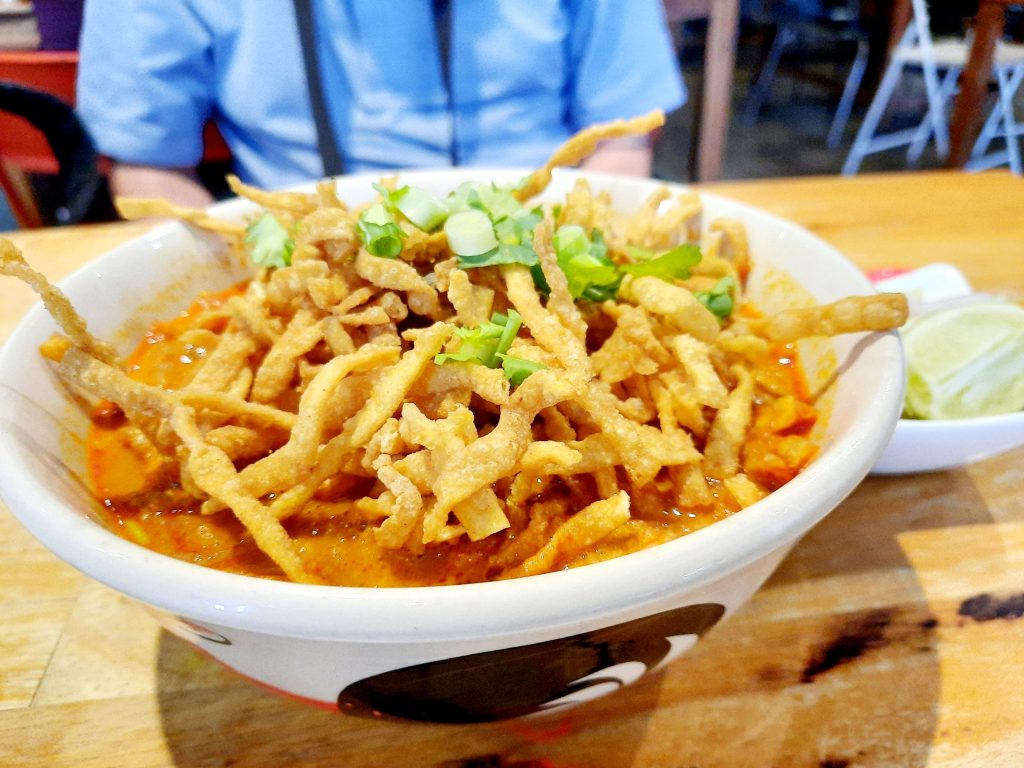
x,y
967,113
891,636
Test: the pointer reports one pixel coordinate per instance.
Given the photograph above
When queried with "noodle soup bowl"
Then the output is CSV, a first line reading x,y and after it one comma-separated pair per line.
x,y
463,653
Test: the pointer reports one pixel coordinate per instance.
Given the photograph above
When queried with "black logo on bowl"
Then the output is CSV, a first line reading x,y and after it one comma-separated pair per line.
x,y
530,678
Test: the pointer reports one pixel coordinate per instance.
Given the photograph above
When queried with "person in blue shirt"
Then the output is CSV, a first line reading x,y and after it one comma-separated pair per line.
x,y
519,78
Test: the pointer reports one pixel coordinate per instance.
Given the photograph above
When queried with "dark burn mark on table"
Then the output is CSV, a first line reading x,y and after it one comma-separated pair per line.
x,y
833,762
773,675
985,607
855,638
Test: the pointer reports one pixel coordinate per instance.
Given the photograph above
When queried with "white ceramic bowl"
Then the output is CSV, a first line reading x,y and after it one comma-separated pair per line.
x,y
930,446
457,653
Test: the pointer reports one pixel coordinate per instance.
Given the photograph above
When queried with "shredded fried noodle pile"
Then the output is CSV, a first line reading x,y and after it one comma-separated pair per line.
x,y
379,405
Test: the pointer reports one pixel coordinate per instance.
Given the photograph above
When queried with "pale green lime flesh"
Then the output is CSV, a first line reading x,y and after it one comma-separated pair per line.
x,y
966,361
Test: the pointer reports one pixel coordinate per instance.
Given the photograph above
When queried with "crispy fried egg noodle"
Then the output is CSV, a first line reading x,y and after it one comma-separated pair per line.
x,y
343,382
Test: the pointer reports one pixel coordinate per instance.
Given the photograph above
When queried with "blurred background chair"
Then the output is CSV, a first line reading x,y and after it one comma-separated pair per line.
x,y
49,169
940,62
828,25
40,135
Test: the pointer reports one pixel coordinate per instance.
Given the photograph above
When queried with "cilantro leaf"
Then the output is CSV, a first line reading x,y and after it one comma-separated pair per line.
x,y
270,244
518,369
636,253
671,265
719,300
591,275
518,228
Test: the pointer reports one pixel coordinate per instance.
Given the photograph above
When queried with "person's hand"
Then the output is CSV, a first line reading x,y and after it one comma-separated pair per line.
x,y
179,185
628,156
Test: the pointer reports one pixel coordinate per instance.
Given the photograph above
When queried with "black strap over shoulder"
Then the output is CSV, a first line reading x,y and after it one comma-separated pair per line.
x,y
330,154
334,163
443,28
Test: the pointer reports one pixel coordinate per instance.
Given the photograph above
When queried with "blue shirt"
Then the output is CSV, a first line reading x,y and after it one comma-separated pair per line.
x,y
523,77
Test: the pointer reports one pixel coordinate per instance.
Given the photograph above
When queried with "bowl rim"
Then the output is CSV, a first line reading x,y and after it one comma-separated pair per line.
x,y
549,602
960,442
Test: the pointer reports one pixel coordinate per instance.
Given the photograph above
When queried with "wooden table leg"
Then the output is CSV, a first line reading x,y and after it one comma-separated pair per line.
x,y
719,63
967,115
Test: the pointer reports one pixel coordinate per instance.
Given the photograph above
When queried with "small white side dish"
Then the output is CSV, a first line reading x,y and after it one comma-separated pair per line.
x,y
919,445
931,446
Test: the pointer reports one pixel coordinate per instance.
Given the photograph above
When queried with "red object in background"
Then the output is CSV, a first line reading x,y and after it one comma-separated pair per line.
x,y
52,72
885,273
25,150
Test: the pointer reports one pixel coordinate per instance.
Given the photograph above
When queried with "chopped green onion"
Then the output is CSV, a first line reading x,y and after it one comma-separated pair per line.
x,y
488,344
470,233
591,275
512,324
507,240
472,350
484,343
518,369
379,232
671,265
420,207
386,195
270,243
719,300
539,280
497,202
458,199
503,254
423,209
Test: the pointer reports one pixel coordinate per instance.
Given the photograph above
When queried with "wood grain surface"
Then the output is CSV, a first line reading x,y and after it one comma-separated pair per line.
x,y
891,636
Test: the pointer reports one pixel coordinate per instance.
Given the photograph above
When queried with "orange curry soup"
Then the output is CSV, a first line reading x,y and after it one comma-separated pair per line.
x,y
143,500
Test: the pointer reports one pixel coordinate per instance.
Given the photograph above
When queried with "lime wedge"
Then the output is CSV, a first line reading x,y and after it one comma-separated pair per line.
x,y
965,361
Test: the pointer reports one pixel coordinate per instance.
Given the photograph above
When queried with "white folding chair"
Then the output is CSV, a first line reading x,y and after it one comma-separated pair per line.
x,y
835,21
941,62
1000,124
